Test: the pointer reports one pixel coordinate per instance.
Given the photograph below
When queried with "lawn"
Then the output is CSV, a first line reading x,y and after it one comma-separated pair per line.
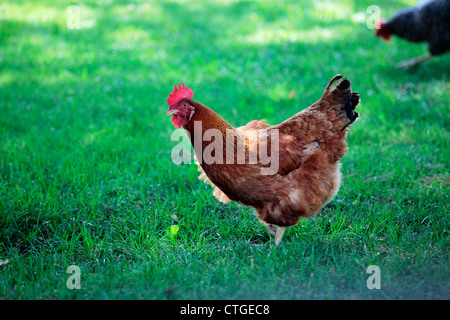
x,y
86,176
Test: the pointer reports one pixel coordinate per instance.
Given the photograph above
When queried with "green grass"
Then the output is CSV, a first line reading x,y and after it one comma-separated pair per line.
x,y
86,176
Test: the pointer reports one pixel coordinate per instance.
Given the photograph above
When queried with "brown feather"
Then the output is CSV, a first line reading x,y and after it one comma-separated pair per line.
x,y
312,142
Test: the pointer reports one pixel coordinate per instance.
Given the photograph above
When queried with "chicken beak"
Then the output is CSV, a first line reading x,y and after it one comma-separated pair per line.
x,y
172,111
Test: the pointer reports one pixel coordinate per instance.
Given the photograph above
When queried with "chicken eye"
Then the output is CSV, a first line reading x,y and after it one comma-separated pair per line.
x,y
184,105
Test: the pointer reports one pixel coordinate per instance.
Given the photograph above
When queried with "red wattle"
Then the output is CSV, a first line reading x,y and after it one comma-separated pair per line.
x,y
179,121
174,121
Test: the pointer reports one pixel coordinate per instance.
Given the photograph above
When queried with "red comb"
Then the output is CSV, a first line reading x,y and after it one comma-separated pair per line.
x,y
179,93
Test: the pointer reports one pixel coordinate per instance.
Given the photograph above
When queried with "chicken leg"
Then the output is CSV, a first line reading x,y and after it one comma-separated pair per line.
x,y
271,228
412,62
276,231
279,235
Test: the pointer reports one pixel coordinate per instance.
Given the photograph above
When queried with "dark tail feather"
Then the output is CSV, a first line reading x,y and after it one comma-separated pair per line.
x,y
343,99
332,81
349,110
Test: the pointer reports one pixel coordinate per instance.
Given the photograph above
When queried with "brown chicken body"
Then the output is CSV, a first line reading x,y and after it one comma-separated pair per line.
x,y
311,144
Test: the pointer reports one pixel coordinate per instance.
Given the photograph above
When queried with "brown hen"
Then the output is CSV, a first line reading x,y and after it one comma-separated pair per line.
x,y
286,171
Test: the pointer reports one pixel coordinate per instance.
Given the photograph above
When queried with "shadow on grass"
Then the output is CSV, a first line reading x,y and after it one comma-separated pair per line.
x,y
100,92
